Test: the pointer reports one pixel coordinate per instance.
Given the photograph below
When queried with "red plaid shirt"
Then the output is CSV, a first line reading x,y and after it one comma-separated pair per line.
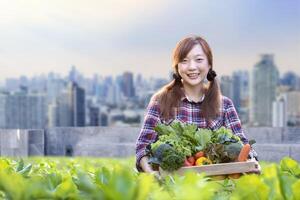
x,y
189,112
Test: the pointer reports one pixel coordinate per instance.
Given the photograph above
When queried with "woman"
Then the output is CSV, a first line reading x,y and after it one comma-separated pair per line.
x,y
193,96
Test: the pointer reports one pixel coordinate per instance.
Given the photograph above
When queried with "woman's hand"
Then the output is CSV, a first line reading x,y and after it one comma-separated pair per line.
x,y
257,166
148,169
145,165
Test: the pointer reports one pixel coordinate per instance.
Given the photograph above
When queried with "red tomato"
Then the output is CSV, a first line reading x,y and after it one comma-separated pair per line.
x,y
199,155
191,160
187,163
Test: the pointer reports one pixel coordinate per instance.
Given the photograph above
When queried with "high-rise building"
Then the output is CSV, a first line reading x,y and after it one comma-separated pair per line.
x,y
23,110
52,114
279,117
264,81
71,106
78,105
114,95
54,88
128,85
236,90
94,116
64,109
240,96
293,108
226,86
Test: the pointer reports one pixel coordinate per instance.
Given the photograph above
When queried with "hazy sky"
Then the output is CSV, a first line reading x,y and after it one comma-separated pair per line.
x,y
110,36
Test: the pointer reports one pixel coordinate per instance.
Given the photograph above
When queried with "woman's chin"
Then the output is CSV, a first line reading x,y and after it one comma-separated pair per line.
x,y
195,82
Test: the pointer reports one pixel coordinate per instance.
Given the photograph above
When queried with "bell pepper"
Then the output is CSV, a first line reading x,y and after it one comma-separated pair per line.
x,y
203,161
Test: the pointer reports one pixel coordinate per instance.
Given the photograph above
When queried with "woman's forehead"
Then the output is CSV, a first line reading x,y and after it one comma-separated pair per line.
x,y
197,50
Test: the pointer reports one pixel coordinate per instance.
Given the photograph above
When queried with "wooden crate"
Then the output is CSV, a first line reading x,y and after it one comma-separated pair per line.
x,y
217,169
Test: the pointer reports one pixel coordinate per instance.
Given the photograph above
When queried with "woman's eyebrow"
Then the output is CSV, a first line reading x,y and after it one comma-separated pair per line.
x,y
199,55
195,55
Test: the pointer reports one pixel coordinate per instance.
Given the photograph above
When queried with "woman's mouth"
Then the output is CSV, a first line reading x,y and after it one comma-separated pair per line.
x,y
193,75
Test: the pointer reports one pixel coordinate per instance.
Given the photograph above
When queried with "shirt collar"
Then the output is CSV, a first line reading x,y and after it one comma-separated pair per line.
x,y
191,101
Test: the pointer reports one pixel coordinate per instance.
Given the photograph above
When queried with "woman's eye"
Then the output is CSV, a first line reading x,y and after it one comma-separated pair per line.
x,y
184,61
199,59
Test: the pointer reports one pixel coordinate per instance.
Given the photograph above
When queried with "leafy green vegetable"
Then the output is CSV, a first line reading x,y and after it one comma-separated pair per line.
x,y
220,146
100,178
224,146
166,157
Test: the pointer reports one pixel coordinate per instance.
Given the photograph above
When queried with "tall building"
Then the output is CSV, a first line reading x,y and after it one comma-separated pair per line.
x,y
94,116
279,117
226,86
128,85
240,98
293,108
114,95
71,106
264,81
52,114
23,110
54,88
236,90
78,105
64,112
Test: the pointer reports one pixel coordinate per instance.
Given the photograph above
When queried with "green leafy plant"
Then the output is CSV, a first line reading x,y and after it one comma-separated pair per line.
x,y
107,178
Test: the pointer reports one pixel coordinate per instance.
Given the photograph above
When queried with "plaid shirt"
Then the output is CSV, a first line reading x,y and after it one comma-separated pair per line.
x,y
189,112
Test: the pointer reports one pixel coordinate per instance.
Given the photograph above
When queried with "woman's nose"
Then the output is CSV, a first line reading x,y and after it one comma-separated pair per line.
x,y
192,64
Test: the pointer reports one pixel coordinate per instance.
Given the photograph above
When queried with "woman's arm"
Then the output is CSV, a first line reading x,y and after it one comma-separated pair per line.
x,y
232,121
147,136
144,165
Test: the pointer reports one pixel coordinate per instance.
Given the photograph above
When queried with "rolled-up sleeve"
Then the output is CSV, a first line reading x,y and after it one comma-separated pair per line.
x,y
147,134
232,121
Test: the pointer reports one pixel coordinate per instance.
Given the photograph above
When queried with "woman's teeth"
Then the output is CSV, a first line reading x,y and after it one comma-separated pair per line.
x,y
193,76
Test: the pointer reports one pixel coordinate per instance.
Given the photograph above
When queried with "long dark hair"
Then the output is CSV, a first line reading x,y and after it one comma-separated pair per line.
x,y
170,95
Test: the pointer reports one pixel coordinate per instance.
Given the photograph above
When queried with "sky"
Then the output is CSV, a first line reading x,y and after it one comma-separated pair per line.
x,y
109,37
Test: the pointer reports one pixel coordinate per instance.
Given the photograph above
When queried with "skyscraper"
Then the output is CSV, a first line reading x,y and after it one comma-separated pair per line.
x,y
71,106
128,86
226,86
240,96
22,110
293,108
236,90
279,117
264,81
78,105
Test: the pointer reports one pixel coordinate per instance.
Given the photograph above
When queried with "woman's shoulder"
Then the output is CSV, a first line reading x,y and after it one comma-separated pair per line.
x,y
226,101
154,101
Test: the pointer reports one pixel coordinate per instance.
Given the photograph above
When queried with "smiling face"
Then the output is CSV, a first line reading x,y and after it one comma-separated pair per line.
x,y
194,67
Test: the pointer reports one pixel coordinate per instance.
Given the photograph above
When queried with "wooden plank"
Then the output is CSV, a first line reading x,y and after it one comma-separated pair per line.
x,y
217,169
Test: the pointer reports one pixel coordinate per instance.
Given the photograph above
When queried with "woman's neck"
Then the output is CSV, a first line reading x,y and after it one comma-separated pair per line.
x,y
194,93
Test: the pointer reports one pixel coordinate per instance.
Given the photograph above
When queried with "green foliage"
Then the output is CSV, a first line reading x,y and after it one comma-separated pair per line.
x,y
94,178
185,139
166,157
224,146
177,141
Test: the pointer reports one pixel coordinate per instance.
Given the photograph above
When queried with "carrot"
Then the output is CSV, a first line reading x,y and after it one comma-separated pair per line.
x,y
234,176
241,158
244,153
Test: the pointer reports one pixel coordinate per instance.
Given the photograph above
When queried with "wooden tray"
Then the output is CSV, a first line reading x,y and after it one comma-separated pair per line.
x,y
217,169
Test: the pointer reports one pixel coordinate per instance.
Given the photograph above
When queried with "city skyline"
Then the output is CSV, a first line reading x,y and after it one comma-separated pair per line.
x,y
111,37
74,100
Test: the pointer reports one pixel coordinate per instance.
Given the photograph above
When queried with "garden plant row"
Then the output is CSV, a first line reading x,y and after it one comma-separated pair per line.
x,y
95,178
